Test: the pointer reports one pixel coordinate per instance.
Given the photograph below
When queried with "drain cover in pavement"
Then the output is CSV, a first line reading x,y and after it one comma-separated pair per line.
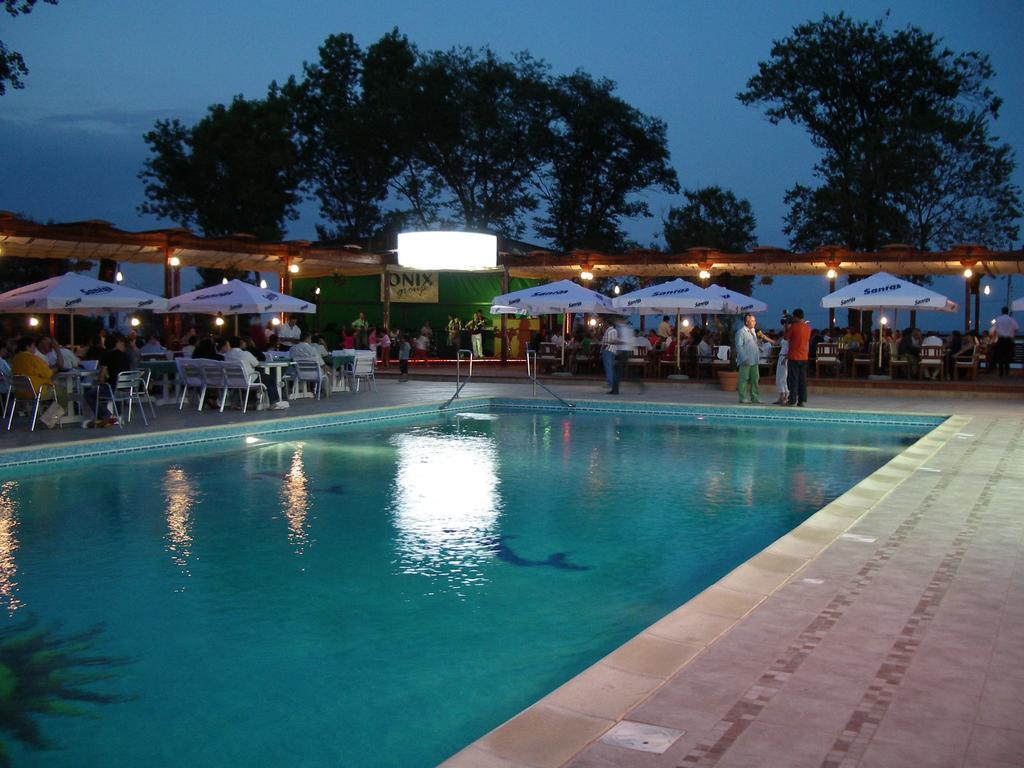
x,y
642,737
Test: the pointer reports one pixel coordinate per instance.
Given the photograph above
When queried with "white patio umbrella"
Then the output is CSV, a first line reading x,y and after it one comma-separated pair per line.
x,y
736,302
76,294
562,296
237,298
674,296
885,291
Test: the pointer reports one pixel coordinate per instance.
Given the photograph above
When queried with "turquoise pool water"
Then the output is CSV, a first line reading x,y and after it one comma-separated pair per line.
x,y
381,596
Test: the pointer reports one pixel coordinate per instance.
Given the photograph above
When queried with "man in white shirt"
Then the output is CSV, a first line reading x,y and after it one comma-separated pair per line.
x,y
624,345
305,349
249,363
1005,329
289,333
665,329
932,340
608,341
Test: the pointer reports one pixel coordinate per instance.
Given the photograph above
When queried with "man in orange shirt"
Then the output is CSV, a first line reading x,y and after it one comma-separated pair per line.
x,y
798,334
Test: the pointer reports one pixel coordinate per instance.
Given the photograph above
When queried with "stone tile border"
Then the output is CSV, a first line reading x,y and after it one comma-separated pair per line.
x,y
601,696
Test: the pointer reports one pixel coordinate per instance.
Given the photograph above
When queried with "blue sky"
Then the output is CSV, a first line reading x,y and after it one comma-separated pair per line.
x,y
102,72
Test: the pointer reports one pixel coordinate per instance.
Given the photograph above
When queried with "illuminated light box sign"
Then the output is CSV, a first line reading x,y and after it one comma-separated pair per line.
x,y
447,250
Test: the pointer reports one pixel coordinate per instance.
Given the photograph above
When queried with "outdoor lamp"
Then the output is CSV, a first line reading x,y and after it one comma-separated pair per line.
x,y
263,284
33,322
592,322
316,290
586,274
174,261
988,290
275,321
119,277
686,322
135,322
293,268
831,274
447,250
883,321
617,289
968,272
704,274
223,281
219,321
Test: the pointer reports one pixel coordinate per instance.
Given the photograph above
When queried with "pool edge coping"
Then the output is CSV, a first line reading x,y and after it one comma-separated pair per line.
x,y
553,730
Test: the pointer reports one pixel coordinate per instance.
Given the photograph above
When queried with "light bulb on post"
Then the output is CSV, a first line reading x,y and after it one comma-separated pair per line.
x,y
987,290
174,261
118,277
219,321
592,322
33,322
968,273
884,321
617,289
686,322
704,274
316,291
586,275
275,321
831,274
135,322
263,285
293,268
223,281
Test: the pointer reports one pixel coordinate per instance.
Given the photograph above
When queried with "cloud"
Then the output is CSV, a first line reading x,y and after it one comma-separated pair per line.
x,y
100,122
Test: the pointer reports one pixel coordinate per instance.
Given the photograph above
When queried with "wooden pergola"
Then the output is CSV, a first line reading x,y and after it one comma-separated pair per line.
x,y
177,248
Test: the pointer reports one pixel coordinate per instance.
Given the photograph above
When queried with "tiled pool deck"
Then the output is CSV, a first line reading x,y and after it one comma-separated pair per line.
x,y
888,630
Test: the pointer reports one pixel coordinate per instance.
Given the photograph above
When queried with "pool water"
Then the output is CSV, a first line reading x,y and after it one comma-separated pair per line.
x,y
381,596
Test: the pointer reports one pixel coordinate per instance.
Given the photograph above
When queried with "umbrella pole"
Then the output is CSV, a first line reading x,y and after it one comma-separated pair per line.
x,y
236,325
71,321
678,340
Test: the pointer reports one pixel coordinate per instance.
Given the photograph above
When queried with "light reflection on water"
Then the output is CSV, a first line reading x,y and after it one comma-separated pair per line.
x,y
295,502
446,505
8,546
180,496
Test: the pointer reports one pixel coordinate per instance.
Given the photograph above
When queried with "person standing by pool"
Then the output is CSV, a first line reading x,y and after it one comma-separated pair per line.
x,y
782,373
748,355
454,329
608,354
1005,330
476,331
404,348
798,334
625,342
359,325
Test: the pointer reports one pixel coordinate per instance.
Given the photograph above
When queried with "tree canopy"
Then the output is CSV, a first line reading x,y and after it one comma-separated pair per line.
x,y
392,136
711,218
12,63
903,125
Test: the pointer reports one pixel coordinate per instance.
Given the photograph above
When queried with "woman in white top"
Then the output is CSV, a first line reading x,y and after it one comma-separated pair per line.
x,y
782,373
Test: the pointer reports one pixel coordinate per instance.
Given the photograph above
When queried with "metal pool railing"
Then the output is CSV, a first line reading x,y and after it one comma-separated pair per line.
x,y
531,372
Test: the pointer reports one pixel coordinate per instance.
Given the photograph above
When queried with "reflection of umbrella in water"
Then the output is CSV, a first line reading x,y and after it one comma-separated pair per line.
x,y
76,294
885,291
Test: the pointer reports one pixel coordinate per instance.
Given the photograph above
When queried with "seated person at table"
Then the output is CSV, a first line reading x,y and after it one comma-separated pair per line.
x,y
206,350
234,350
114,360
932,340
188,349
289,333
152,346
665,328
305,349
909,350
318,343
27,362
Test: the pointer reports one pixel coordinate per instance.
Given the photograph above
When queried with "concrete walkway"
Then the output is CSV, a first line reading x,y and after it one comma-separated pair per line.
x,y
887,630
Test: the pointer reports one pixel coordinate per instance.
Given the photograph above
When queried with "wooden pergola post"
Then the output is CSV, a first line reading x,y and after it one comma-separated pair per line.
x,y
385,288
504,318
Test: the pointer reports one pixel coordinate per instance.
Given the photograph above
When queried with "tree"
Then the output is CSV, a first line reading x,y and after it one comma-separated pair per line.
x,y
482,124
599,152
902,124
12,64
347,155
713,218
234,171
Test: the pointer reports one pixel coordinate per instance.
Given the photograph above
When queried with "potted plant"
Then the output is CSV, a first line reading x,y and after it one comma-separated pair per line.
x,y
728,375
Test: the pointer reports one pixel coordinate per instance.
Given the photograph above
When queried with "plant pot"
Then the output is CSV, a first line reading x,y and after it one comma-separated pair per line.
x,y
728,379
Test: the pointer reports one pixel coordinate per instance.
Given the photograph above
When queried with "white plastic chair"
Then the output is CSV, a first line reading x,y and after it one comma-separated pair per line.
x,y
125,390
234,377
145,374
21,389
362,369
190,372
310,371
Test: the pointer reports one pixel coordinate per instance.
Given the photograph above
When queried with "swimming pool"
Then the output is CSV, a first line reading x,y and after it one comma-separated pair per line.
x,y
382,595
